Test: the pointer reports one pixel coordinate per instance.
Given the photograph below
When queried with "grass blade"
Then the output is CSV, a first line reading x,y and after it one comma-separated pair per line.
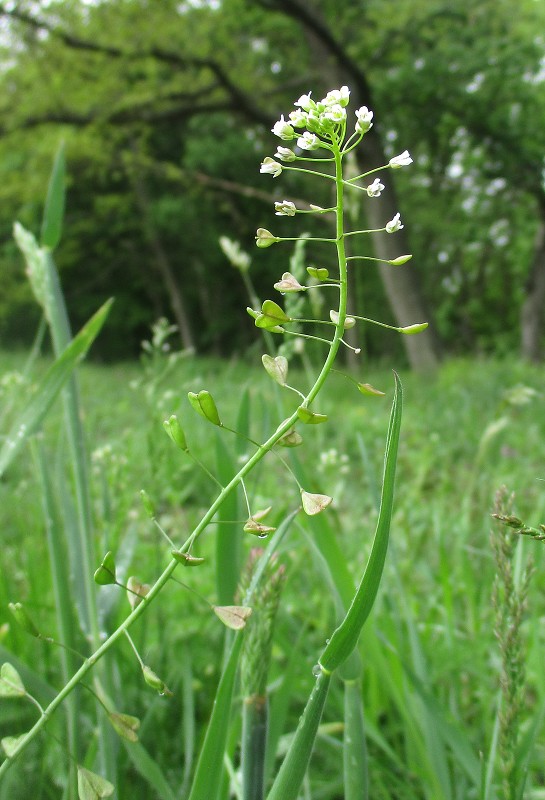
x,y
49,387
148,768
290,777
207,780
356,784
54,204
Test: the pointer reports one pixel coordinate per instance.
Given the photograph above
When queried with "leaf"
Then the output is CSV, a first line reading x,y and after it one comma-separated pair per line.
x,y
125,725
92,786
10,744
11,684
310,417
35,409
105,574
233,616
204,404
54,204
276,367
314,503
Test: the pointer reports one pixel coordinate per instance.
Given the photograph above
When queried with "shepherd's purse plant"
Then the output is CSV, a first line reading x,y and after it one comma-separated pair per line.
x,y
316,138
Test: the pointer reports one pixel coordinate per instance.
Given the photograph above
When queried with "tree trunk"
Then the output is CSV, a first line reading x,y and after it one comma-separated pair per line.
x,y
162,262
401,284
531,318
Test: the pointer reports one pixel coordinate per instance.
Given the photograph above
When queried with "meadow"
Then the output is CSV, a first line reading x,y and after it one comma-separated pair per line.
x,y
431,659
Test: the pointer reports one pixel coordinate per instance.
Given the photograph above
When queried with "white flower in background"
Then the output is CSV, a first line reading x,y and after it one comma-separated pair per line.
x,y
270,167
283,129
335,113
298,119
309,141
394,224
340,96
285,154
364,119
402,160
305,102
285,209
374,189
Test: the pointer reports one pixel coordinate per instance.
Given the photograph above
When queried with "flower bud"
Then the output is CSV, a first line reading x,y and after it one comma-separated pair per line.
x,y
285,154
285,209
402,160
364,119
394,224
270,167
283,129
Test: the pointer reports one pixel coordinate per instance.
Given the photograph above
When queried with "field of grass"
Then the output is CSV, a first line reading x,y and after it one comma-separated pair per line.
x,y
431,659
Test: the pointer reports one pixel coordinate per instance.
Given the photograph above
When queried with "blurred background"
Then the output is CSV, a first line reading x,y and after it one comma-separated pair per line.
x,y
165,110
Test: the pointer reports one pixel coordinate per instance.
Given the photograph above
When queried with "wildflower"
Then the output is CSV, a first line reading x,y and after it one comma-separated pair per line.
x,y
271,167
309,141
285,209
285,154
283,129
305,102
394,224
335,113
298,119
402,160
363,120
340,96
375,188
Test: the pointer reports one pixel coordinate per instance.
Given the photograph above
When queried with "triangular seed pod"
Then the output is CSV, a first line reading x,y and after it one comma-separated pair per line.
x,y
314,503
204,404
366,388
349,322
310,417
10,744
233,616
125,725
11,684
320,273
186,559
289,283
136,591
105,574
92,786
276,367
290,439
153,680
257,528
174,430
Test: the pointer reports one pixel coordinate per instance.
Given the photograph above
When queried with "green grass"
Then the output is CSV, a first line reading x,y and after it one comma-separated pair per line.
x,y
429,654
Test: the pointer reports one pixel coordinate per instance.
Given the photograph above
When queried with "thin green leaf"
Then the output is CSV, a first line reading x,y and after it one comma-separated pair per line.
x,y
54,204
210,764
356,784
290,777
148,768
49,387
345,637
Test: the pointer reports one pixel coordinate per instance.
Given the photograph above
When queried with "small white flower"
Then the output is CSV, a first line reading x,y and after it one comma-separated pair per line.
x,y
285,154
402,160
394,224
285,209
340,96
283,129
270,167
309,141
374,189
305,102
363,120
298,119
335,113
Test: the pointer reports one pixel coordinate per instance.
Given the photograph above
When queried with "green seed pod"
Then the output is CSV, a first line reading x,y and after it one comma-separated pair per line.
x,y
204,404
153,680
105,574
174,430
366,388
23,619
276,367
314,503
186,559
320,273
310,417
147,503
